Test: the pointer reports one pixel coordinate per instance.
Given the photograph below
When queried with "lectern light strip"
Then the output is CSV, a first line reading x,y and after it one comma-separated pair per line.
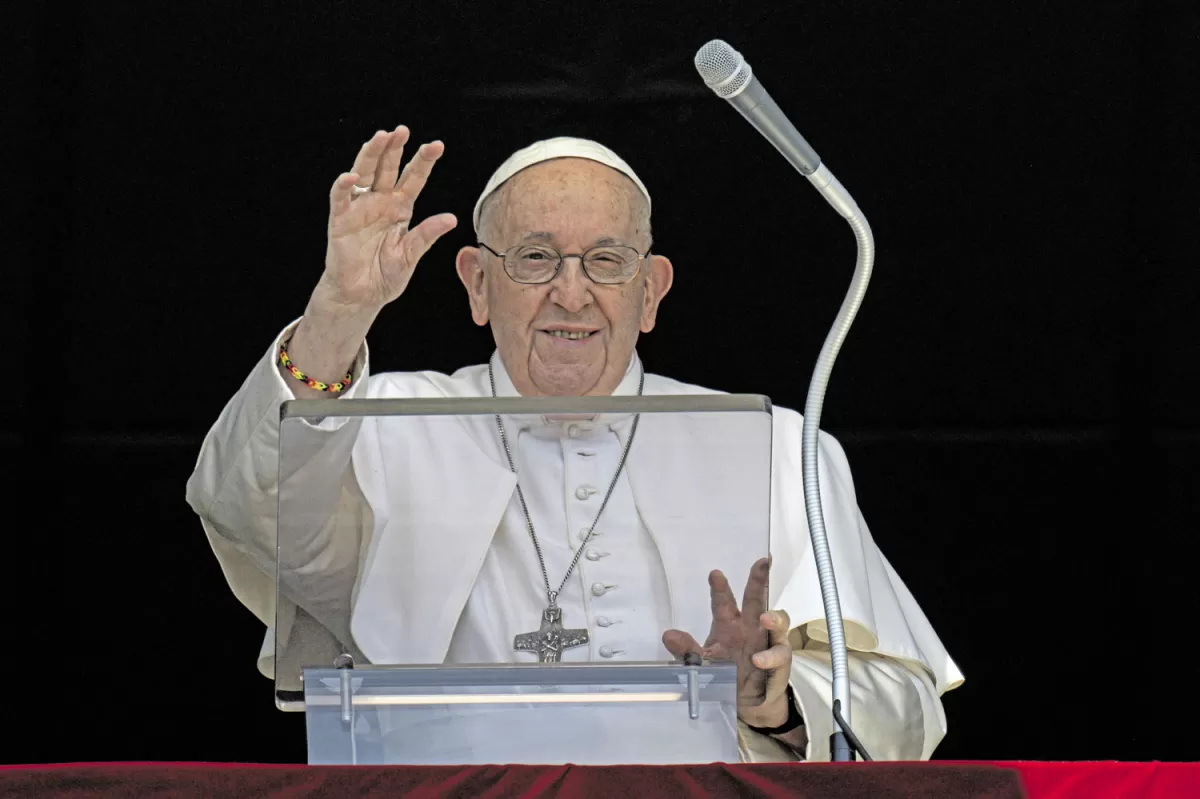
x,y
498,699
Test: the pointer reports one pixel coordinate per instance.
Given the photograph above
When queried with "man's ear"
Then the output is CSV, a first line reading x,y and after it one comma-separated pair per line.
x,y
659,277
470,267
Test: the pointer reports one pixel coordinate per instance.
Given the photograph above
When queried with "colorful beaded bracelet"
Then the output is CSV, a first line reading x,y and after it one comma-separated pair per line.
x,y
286,362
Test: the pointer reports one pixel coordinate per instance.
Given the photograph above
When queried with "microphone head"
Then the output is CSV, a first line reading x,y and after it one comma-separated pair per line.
x,y
723,68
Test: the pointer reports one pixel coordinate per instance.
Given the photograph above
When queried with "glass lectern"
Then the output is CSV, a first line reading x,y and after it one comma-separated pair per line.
x,y
405,571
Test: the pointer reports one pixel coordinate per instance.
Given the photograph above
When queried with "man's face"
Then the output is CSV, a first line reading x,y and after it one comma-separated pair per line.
x,y
570,204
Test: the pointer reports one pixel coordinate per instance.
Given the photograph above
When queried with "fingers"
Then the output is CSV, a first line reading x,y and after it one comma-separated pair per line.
x,y
367,162
378,165
754,600
724,604
777,660
342,192
389,163
679,643
417,171
415,243
777,657
778,624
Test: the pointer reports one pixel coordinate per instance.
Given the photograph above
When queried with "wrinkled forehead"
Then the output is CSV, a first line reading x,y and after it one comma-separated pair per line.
x,y
575,189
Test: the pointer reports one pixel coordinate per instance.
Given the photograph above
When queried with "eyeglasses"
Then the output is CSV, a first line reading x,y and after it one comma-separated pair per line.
x,y
535,263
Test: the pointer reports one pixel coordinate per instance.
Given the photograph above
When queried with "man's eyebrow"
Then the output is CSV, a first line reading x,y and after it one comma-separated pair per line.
x,y
541,235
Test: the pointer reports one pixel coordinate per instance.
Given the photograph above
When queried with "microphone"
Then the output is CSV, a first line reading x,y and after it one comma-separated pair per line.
x,y
728,74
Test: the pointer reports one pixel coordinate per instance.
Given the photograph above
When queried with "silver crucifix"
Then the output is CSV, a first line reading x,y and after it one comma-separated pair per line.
x,y
550,641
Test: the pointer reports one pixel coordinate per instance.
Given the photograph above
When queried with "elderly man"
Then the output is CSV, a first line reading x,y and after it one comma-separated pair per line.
x,y
564,275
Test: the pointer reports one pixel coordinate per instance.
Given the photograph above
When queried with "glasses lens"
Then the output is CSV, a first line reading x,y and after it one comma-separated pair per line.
x,y
612,264
532,264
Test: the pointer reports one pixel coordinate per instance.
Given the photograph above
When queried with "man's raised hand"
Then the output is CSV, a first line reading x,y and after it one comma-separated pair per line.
x,y
372,247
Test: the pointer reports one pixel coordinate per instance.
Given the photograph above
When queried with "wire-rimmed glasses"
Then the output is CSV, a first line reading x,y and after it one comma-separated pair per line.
x,y
537,263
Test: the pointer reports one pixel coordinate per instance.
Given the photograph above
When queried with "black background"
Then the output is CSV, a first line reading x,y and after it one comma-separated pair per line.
x,y
1014,397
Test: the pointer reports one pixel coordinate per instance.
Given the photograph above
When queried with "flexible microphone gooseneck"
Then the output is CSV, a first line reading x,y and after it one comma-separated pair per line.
x,y
727,73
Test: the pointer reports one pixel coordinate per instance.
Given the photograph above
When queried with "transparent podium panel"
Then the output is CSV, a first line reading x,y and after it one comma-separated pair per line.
x,y
561,713
548,547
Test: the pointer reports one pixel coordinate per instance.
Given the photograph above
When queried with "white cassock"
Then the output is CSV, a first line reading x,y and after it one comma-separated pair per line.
x,y
383,555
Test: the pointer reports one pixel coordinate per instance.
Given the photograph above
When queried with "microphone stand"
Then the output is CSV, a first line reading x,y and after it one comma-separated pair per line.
x,y
833,191
730,77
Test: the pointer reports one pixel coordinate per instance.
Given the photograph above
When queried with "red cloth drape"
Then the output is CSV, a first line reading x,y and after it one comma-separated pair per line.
x,y
940,779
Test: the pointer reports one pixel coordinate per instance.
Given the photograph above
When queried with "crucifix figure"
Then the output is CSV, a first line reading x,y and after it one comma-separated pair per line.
x,y
551,639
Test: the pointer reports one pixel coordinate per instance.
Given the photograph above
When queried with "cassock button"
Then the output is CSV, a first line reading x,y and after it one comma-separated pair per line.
x,y
583,534
608,651
593,554
573,430
600,589
583,492
604,621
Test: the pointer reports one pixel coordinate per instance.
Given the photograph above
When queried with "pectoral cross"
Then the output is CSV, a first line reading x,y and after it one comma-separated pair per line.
x,y
551,639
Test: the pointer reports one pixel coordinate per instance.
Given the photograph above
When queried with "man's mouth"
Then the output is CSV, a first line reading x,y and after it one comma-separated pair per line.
x,y
573,335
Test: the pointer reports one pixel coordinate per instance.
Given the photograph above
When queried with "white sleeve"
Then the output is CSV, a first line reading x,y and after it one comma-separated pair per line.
x,y
895,709
235,486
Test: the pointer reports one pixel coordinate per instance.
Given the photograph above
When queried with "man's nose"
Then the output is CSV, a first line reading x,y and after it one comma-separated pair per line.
x,y
571,288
